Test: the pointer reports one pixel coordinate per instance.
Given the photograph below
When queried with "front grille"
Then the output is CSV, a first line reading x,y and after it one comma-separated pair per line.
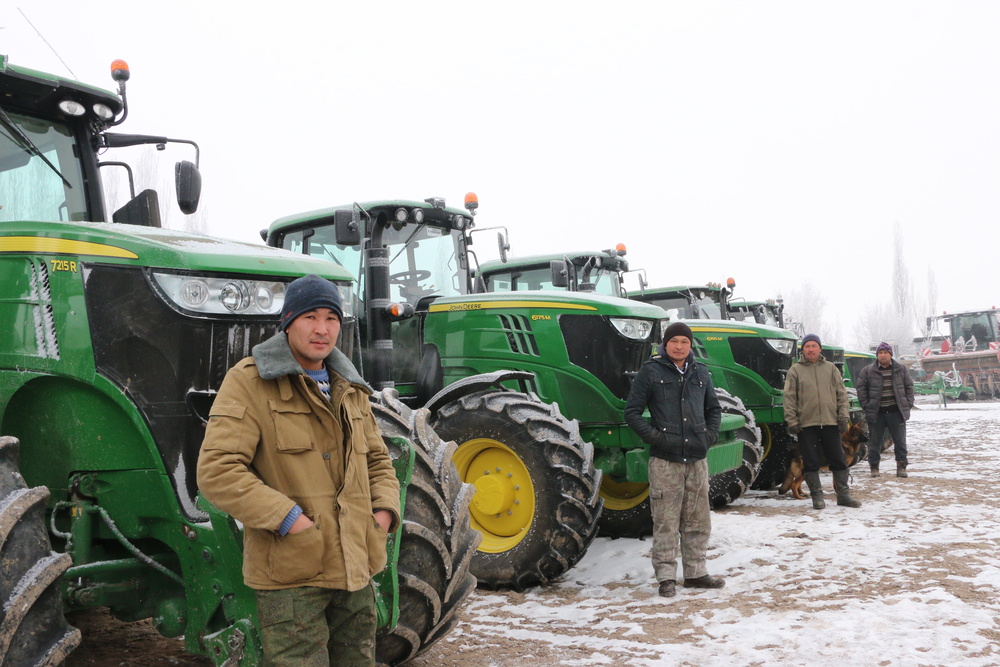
x,y
756,355
169,365
596,346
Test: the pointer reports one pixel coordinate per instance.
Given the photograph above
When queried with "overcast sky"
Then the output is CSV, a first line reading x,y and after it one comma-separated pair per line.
x,y
776,142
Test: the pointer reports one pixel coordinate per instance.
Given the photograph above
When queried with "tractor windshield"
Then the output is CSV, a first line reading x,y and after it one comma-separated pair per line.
x,y
423,259
688,305
540,278
40,177
977,330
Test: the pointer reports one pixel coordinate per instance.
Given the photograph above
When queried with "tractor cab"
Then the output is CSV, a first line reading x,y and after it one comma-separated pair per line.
x,y
595,271
687,302
970,331
53,142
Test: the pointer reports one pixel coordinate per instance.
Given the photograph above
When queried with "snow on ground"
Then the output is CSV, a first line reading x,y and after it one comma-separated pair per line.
x,y
910,578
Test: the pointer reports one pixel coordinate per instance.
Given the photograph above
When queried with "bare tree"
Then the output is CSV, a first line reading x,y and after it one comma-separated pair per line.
x,y
806,304
896,319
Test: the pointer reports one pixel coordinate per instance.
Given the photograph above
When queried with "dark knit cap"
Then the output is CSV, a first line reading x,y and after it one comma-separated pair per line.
x,y
884,346
309,293
678,329
809,337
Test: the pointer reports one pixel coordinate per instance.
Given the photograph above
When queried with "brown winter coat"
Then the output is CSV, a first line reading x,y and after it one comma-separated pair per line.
x,y
274,441
815,395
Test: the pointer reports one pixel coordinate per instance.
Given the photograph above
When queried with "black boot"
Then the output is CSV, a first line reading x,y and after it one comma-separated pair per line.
x,y
815,490
843,489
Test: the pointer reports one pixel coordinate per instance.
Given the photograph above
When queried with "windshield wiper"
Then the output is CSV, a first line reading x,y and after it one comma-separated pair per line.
x,y
28,145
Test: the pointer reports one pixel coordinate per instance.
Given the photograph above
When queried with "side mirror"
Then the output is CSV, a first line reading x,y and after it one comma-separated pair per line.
x,y
504,246
347,226
560,272
188,181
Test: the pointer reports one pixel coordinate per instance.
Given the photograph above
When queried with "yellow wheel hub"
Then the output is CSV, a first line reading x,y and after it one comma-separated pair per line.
x,y
504,505
620,496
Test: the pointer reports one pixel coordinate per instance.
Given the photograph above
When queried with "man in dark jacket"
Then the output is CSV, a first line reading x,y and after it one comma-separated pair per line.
x,y
685,415
885,391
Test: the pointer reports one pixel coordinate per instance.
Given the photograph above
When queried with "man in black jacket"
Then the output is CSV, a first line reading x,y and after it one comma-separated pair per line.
x,y
685,415
885,391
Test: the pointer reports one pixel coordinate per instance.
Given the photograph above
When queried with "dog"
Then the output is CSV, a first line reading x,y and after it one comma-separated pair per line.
x,y
853,441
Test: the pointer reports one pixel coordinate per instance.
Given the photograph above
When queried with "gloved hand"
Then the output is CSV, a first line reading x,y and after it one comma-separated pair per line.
x,y
843,426
794,429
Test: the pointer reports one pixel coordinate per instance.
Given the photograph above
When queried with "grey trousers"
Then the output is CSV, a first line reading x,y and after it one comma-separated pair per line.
x,y
317,627
678,494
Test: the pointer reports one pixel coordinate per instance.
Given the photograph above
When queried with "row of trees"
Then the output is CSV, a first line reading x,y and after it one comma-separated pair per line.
x,y
897,320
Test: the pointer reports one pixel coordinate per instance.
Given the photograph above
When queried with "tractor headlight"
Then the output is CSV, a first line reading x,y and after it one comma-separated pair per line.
x,y
632,328
782,345
209,295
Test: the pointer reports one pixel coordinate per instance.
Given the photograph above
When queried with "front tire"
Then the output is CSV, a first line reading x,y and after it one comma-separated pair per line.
x,y
627,512
537,501
726,487
33,630
436,544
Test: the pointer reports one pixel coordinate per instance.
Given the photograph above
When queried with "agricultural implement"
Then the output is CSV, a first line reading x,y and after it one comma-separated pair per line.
x,y
966,343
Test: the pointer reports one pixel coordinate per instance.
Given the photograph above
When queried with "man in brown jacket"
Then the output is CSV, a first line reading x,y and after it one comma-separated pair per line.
x,y
816,410
293,452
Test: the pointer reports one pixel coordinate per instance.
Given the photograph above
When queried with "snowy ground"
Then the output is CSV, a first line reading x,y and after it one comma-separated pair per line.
x,y
911,578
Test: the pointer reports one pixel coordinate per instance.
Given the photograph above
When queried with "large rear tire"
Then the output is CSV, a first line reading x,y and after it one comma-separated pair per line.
x,y
437,544
33,630
726,487
777,456
537,501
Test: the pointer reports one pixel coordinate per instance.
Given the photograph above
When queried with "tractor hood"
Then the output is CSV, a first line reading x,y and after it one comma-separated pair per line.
x,y
554,300
115,243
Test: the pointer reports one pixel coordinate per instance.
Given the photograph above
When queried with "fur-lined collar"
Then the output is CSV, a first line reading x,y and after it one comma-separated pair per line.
x,y
274,360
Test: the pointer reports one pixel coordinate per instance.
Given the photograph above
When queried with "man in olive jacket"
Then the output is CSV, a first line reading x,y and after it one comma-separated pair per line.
x,y
816,410
293,452
686,416
885,391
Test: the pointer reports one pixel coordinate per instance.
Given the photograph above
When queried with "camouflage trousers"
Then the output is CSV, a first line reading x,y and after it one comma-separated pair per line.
x,y
678,496
317,627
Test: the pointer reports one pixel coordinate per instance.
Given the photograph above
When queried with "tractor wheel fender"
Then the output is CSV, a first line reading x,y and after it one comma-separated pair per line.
x,y
472,384
33,630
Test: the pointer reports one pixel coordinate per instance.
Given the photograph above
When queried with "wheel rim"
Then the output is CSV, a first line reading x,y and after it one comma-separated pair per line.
x,y
620,496
503,506
766,440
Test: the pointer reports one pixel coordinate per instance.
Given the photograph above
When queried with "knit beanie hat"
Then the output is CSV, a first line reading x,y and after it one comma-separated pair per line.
x,y
309,293
678,329
811,337
884,346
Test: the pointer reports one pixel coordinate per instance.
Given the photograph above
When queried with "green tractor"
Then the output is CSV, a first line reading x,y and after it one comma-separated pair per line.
x,y
602,272
531,386
116,335
748,361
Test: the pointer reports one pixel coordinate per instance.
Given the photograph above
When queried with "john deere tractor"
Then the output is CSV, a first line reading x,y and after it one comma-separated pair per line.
x,y
602,272
531,386
114,337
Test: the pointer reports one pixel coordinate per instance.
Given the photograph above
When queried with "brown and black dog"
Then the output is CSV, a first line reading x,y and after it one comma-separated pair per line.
x,y
851,440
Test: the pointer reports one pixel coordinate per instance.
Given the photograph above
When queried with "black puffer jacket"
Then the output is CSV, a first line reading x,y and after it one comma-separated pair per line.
x,y
684,409
869,386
